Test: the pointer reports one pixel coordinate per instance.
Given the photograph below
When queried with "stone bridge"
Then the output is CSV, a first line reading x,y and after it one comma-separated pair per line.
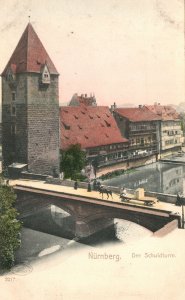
x,y
91,214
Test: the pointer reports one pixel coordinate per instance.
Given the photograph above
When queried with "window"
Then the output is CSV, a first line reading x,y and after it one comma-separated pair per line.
x,y
10,76
13,97
13,129
13,110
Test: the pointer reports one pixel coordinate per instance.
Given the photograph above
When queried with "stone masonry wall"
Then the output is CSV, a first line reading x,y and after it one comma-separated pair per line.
x,y
14,145
43,126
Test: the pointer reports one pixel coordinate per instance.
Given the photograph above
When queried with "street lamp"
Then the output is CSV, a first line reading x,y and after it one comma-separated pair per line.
x,y
180,202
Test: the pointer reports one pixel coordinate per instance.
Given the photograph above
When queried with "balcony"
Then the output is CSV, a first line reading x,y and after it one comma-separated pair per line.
x,y
137,156
142,133
129,157
139,146
142,130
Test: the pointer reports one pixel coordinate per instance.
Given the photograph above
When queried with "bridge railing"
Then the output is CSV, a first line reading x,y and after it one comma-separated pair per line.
x,y
162,197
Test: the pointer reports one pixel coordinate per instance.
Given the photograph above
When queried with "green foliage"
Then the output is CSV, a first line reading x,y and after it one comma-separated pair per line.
x,y
116,173
9,226
72,162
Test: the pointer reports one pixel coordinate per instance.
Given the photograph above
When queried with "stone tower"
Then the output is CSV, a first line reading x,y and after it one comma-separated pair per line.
x,y
30,107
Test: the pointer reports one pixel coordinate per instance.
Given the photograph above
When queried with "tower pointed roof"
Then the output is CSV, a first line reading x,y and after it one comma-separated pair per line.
x,y
29,55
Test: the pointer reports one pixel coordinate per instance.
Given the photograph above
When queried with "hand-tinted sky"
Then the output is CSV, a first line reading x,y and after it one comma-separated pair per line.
x,y
128,51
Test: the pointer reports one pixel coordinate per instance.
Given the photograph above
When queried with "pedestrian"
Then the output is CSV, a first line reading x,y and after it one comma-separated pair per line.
x,y
76,185
95,185
98,184
89,187
123,192
179,200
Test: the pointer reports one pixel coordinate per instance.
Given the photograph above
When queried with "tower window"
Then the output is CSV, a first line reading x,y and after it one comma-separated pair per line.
x,y
13,96
13,129
13,110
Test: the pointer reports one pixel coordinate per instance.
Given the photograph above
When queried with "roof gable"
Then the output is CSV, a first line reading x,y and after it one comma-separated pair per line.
x,y
30,55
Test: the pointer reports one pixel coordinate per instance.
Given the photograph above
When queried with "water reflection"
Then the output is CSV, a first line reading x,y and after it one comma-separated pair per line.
x,y
51,220
158,177
55,221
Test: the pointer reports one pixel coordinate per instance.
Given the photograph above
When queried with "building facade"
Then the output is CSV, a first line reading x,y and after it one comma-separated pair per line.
x,y
30,107
141,128
170,131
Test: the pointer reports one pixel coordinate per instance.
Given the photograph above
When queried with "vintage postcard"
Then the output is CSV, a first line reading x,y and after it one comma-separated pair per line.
x,y
92,150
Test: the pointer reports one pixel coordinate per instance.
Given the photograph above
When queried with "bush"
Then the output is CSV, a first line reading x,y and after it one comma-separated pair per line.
x,y
115,173
9,226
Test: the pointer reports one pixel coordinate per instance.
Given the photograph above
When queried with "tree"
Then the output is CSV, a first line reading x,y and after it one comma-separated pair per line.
x,y
9,226
72,161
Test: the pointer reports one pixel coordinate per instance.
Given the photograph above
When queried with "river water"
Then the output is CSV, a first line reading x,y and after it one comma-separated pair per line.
x,y
167,178
53,227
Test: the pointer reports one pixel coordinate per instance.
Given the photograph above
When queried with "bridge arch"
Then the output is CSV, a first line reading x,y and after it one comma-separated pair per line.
x,y
134,218
65,207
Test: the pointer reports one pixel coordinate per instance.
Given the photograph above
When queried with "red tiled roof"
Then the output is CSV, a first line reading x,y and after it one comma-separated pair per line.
x,y
89,126
29,55
166,112
137,114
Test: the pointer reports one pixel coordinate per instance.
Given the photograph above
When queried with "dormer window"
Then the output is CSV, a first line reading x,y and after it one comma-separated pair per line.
x,y
45,75
10,77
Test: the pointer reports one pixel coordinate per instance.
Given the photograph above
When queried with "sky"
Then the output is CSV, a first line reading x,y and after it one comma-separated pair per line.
x,y
123,51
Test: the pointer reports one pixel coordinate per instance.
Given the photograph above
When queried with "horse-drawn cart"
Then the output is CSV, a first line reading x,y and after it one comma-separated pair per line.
x,y
138,196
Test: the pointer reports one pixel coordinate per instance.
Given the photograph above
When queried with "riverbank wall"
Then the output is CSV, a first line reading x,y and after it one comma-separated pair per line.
x,y
126,165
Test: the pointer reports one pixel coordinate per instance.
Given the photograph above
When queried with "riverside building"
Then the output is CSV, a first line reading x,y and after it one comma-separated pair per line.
x,y
141,128
170,132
